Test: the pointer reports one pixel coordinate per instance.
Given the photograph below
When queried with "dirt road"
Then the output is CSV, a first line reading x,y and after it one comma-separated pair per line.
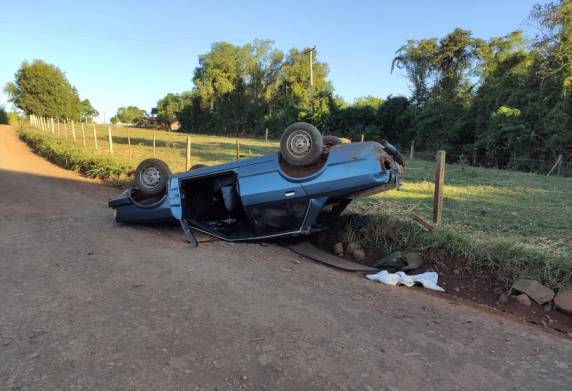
x,y
87,304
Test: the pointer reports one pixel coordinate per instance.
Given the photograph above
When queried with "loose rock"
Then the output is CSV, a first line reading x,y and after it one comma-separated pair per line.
x,y
524,300
339,249
503,298
533,289
563,301
351,247
359,254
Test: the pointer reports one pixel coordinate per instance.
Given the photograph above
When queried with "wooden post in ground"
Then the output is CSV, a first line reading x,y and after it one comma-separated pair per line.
x,y
129,142
237,148
439,183
362,137
94,136
73,131
557,164
58,128
154,141
110,139
66,129
83,134
412,150
188,160
52,125
266,135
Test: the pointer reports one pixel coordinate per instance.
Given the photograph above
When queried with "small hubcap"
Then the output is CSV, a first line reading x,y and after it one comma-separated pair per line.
x,y
300,143
150,177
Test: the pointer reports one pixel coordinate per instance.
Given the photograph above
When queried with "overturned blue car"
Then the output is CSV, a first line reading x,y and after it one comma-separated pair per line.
x,y
295,191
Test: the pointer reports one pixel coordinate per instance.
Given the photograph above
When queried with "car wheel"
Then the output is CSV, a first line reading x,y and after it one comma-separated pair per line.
x,y
151,176
301,144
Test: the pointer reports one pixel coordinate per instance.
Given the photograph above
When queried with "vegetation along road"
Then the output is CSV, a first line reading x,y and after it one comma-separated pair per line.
x,y
87,303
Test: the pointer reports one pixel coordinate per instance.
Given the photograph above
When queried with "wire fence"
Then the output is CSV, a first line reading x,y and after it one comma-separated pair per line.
x,y
554,166
179,150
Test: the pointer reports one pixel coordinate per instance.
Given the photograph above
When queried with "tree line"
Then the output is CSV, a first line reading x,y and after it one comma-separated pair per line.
x,y
504,97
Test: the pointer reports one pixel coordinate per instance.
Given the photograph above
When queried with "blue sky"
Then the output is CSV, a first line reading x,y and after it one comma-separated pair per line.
x,y
120,53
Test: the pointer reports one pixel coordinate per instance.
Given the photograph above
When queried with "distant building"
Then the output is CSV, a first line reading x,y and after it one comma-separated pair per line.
x,y
174,124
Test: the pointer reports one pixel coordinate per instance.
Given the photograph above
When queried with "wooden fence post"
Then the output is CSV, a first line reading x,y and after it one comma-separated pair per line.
x,y
83,134
266,135
237,148
58,128
95,136
557,164
73,131
154,140
412,150
439,183
129,142
362,137
109,138
188,160
52,124
66,129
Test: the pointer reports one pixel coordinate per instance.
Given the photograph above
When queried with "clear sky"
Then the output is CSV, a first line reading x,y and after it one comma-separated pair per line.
x,y
120,53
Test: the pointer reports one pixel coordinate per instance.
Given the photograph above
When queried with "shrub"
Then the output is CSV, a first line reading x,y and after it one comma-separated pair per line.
x,y
74,158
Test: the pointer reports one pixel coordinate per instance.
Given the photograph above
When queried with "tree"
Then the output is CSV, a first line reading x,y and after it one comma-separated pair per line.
x,y
87,111
42,89
250,87
418,59
168,108
3,116
128,115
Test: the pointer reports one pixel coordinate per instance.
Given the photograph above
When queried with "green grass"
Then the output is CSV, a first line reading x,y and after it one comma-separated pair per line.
x,y
170,146
510,223
516,224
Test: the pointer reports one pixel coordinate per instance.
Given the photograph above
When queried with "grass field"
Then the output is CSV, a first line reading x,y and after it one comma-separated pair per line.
x,y
170,146
516,223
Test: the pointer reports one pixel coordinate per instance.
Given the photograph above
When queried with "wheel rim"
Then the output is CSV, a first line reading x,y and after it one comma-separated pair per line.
x,y
299,143
150,177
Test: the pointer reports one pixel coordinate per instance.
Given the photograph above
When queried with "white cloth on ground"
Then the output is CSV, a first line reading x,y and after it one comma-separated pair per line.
x,y
427,280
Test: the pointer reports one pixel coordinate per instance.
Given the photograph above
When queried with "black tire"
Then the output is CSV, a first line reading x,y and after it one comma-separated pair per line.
x,y
301,144
198,165
151,176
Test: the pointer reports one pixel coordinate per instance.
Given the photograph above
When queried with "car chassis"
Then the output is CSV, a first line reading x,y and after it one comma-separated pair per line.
x,y
264,197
